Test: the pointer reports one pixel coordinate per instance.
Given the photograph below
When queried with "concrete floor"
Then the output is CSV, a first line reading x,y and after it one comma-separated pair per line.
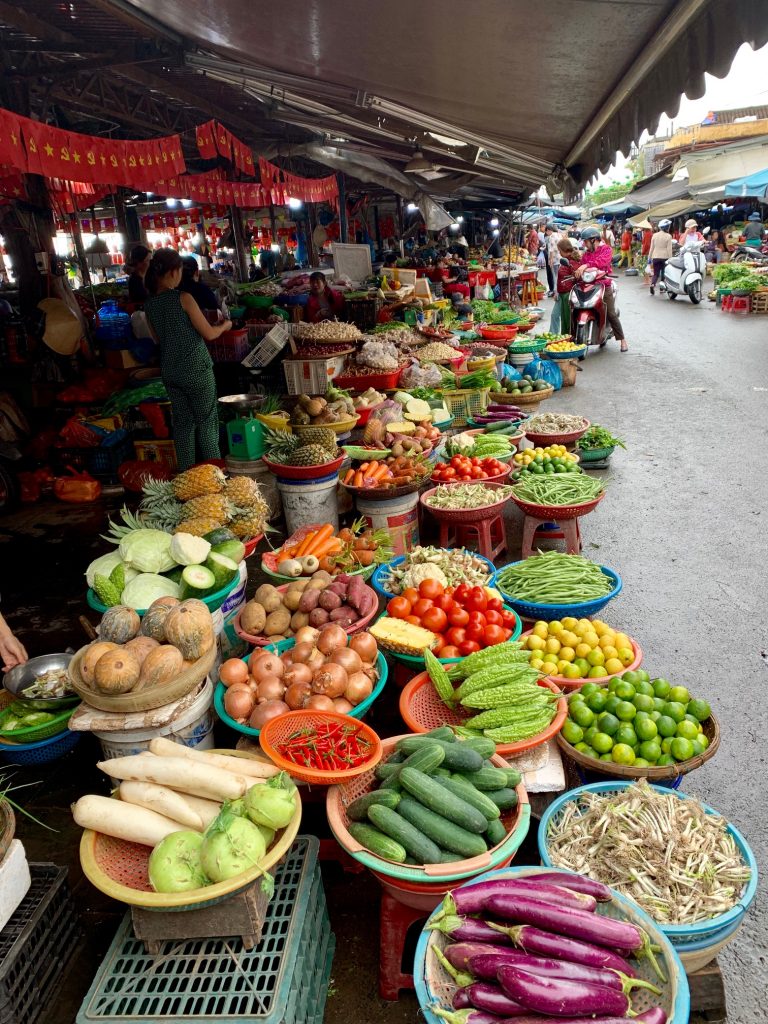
x,y
683,525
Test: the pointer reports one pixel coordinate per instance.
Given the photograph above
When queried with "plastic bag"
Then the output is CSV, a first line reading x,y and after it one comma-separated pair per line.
x,y
545,369
78,487
509,372
416,376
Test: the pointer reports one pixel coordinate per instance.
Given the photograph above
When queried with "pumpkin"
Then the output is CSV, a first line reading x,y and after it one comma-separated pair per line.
x,y
160,666
119,624
153,623
141,646
190,628
92,654
117,671
165,602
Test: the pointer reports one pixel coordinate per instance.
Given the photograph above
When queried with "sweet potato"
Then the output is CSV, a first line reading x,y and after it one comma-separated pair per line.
x,y
318,618
309,599
338,588
344,616
329,601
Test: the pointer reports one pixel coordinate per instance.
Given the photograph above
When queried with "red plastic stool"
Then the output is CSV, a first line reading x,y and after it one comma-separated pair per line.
x,y
726,304
740,304
488,534
394,923
567,530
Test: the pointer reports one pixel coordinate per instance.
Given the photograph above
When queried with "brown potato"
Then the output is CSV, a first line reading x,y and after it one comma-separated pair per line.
x,y
252,618
269,598
277,622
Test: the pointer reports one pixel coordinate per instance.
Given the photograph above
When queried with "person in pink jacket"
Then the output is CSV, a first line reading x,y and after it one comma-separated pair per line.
x,y
598,254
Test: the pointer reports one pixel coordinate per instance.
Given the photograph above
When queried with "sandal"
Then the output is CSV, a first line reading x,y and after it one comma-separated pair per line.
x,y
624,347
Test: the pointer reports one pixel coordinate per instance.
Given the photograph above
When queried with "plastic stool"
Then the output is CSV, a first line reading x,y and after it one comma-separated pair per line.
x,y
394,923
488,534
740,304
727,303
567,530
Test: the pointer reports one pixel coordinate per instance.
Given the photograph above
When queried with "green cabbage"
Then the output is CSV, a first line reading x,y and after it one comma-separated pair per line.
x,y
187,549
272,804
231,845
174,864
146,588
147,551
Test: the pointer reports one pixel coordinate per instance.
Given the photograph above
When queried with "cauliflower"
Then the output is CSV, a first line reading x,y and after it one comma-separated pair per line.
x,y
413,576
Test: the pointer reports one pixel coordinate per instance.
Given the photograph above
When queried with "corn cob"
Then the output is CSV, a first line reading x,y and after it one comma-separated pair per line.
x,y
499,654
508,696
512,675
439,678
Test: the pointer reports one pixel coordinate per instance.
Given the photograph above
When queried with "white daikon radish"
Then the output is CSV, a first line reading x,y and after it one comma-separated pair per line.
x,y
239,765
163,800
123,821
178,773
207,809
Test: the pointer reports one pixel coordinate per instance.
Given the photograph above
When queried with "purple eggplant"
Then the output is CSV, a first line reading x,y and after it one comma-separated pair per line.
x,y
604,931
462,978
467,1016
470,929
472,899
536,1018
460,953
486,966
653,1016
493,999
578,883
562,997
535,940
461,1000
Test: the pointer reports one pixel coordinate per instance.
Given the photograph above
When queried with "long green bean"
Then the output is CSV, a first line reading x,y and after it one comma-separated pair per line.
x,y
555,489
554,578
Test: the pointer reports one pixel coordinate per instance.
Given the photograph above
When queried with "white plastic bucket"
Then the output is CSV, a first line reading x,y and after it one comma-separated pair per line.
x,y
193,728
307,503
236,598
399,516
256,470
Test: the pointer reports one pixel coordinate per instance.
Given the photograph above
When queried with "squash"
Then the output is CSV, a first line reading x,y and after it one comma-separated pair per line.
x,y
117,671
92,654
119,624
165,602
190,628
160,666
141,646
153,623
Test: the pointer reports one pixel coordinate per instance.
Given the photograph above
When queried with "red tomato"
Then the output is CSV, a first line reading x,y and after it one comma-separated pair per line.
x,y
458,616
413,619
494,618
440,465
493,635
468,647
508,619
422,605
444,601
477,619
475,631
411,595
461,592
449,473
439,645
431,589
495,604
476,601
449,652
456,636
507,632
434,619
399,608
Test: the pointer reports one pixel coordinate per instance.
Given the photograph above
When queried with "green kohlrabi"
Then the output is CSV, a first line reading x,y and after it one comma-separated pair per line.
x,y
231,845
174,864
272,804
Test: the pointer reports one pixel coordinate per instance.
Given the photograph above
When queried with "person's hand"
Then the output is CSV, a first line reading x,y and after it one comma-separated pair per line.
x,y
578,272
227,325
12,652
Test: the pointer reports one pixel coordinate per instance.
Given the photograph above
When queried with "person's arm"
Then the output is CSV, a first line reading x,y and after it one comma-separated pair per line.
x,y
12,651
198,321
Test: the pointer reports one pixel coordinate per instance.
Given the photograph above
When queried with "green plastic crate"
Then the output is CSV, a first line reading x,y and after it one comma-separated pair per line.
x,y
283,980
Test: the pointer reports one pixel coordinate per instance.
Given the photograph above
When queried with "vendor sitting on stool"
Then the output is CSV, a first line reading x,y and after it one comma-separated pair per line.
x,y
324,303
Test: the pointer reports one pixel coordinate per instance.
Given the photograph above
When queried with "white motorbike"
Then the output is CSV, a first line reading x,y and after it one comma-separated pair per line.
x,y
684,273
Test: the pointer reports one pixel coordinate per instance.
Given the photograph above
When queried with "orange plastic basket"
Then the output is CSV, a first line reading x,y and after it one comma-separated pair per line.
x,y
576,684
282,728
422,710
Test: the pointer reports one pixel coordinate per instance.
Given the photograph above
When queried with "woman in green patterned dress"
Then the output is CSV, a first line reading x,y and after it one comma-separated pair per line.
x,y
181,331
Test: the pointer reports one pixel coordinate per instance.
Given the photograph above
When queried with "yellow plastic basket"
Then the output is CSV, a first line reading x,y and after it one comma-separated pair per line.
x,y
466,404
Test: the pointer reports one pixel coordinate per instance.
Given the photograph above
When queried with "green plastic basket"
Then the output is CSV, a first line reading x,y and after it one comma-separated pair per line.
x,y
37,732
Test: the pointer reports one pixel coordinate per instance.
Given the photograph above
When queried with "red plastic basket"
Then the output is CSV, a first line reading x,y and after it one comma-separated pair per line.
x,y
545,439
468,515
505,333
556,513
303,472
379,381
422,710
366,413
262,641
280,729
576,684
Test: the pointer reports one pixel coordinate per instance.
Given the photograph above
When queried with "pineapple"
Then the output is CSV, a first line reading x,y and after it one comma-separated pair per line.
x,y
197,482
323,436
198,527
158,506
242,491
308,455
249,525
209,506
401,636
280,444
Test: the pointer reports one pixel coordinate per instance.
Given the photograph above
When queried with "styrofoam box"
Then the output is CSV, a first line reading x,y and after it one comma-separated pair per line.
x,y
15,881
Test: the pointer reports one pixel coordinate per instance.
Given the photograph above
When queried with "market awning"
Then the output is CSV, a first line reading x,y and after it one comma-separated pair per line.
x,y
618,207
674,208
712,167
754,186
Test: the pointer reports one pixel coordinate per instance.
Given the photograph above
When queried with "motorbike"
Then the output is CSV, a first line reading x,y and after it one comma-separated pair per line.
x,y
684,273
589,314
750,254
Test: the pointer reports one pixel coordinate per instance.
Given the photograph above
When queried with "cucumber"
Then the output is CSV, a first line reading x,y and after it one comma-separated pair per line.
x,y
234,549
445,732
505,799
426,758
197,578
174,575
514,777
481,744
458,756
396,827
222,568
376,841
407,744
441,773
448,857
219,535
495,833
446,834
459,786
487,778
358,809
434,796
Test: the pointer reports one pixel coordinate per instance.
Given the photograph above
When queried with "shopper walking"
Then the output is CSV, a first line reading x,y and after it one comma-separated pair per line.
x,y
181,330
625,260
138,264
753,230
660,251
551,257
532,241
598,254
568,260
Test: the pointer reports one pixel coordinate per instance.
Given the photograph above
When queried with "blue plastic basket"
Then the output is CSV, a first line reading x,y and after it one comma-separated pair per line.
x,y
550,612
356,712
42,752
383,570
706,932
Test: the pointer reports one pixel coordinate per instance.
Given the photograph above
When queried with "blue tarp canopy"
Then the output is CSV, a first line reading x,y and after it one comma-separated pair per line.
x,y
755,186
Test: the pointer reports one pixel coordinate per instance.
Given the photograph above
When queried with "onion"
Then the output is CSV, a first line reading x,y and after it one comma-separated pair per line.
x,y
270,688
287,658
359,686
331,639
266,664
365,645
342,706
301,652
238,703
317,702
371,671
233,671
265,712
330,679
307,635
349,660
298,674
243,687
297,695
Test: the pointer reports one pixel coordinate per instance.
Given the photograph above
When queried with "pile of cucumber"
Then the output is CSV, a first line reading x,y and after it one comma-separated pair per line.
x,y
439,800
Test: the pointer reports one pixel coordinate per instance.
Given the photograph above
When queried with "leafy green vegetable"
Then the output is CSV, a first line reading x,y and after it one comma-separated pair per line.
x,y
147,551
599,437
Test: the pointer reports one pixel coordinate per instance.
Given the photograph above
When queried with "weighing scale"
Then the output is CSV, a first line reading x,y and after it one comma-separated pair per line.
x,y
245,433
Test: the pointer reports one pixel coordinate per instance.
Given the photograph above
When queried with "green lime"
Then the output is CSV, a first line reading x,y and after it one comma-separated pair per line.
x,y
590,734
646,730
623,754
664,760
674,710
643,675
641,715
625,734
611,704
641,686
666,744
588,689
602,743
582,716
681,749
701,738
700,709
616,681
606,757
658,703
608,723
626,711
572,732
667,726
591,752
625,691
597,672
661,687
688,730
640,762
643,702
631,677
655,716
596,702
650,750
679,694
582,747
698,748
583,666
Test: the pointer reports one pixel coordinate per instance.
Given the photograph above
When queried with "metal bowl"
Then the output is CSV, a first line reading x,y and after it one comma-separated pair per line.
x,y
242,403
23,676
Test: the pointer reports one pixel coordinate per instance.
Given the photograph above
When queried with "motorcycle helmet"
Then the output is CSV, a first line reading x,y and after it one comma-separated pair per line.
x,y
664,224
589,233
691,224
754,216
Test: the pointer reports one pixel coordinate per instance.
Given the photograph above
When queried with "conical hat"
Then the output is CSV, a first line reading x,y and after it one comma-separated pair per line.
x,y
63,330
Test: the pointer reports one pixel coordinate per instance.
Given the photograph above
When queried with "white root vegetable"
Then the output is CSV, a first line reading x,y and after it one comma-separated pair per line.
x,y
162,800
123,821
239,765
207,809
178,773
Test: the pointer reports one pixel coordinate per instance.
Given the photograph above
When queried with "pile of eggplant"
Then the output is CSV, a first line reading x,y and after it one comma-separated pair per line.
x,y
499,413
528,950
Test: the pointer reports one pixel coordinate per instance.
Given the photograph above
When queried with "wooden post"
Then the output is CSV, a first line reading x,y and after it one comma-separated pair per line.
x,y
236,221
343,221
77,238
377,227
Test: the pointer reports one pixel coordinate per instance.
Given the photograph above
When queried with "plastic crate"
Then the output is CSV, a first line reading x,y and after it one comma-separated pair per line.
x,y
363,312
311,376
231,347
157,451
267,347
105,460
36,944
282,980
759,302
464,404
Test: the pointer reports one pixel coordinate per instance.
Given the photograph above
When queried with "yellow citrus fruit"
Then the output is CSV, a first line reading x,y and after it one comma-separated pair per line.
x,y
599,627
561,667
567,654
621,640
541,629
569,622
582,650
610,652
596,672
592,639
568,638
536,663
613,665
571,672
626,655
596,657
605,641
587,622
553,645
535,643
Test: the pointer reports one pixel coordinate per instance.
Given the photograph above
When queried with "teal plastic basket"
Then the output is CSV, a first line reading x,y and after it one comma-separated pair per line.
x,y
214,601
382,573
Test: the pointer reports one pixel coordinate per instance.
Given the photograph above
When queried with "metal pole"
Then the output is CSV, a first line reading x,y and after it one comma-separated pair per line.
x,y
236,221
343,224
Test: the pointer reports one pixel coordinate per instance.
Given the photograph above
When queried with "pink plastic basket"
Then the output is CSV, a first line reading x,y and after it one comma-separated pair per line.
x,y
576,684
262,641
545,439
556,513
468,515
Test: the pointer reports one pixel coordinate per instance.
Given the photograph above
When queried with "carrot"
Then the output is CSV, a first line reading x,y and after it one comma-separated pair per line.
x,y
378,472
324,533
349,476
358,478
303,548
330,546
363,466
334,546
